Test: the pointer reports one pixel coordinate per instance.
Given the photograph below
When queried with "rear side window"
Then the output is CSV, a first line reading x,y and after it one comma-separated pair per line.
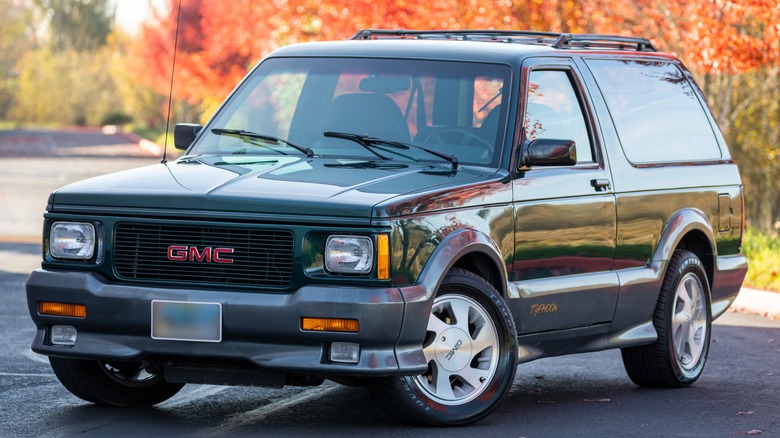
x,y
656,111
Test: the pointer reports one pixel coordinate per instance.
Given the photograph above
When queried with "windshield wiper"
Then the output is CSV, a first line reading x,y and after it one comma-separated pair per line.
x,y
366,140
267,138
357,139
367,164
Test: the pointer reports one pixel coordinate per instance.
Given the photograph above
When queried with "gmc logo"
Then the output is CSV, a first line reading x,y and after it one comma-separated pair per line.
x,y
184,253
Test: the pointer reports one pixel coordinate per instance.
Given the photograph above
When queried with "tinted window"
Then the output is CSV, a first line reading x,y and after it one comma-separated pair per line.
x,y
553,111
656,111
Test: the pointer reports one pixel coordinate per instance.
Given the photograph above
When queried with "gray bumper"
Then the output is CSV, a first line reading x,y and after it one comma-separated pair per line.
x,y
263,328
730,272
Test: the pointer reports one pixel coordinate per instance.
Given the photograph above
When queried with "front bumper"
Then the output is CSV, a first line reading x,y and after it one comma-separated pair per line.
x,y
261,328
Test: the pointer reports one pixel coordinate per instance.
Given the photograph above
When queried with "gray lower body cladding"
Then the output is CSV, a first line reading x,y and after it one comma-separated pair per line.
x,y
261,329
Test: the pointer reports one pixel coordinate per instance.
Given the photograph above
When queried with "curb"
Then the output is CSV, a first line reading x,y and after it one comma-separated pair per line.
x,y
147,145
758,302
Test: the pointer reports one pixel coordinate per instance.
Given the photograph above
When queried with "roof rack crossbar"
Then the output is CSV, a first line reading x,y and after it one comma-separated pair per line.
x,y
553,39
594,41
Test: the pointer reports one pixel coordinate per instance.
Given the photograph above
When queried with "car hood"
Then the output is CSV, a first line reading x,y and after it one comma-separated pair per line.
x,y
263,185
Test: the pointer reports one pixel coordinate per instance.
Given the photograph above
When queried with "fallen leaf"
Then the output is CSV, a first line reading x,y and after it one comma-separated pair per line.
x,y
597,400
539,377
746,413
753,432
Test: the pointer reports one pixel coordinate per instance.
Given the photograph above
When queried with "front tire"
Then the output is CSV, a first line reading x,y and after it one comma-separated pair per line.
x,y
113,384
682,320
471,349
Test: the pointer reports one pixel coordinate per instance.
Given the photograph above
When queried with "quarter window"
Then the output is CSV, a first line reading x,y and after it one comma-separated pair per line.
x,y
553,111
656,111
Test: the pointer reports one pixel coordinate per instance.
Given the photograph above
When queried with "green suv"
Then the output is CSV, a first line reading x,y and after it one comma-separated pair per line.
x,y
416,212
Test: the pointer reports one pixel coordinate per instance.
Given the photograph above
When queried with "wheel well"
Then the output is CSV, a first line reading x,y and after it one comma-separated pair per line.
x,y
697,243
483,266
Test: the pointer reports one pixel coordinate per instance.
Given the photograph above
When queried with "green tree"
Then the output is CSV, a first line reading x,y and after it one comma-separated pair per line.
x,y
66,87
77,24
16,37
71,77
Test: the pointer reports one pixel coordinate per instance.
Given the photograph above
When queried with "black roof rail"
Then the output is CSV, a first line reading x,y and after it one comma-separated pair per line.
x,y
474,35
594,41
552,39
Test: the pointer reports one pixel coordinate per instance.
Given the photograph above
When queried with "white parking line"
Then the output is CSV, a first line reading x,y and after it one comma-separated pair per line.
x,y
35,357
256,415
196,393
27,374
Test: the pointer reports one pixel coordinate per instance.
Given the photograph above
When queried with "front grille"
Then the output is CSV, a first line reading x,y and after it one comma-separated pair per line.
x,y
259,257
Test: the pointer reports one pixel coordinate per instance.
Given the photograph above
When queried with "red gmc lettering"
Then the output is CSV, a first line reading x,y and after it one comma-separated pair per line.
x,y
177,253
220,258
200,256
184,253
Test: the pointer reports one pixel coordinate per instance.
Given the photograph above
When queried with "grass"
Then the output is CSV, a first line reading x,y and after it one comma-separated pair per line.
x,y
763,253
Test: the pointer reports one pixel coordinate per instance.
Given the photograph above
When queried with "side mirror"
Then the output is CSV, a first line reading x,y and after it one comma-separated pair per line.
x,y
551,152
184,134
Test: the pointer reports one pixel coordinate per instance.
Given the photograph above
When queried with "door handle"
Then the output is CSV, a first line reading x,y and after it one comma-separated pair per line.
x,y
600,184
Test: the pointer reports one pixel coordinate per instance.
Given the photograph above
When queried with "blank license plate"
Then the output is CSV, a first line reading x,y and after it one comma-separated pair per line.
x,y
186,321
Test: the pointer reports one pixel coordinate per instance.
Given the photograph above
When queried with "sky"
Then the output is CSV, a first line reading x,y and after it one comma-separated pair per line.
x,y
131,13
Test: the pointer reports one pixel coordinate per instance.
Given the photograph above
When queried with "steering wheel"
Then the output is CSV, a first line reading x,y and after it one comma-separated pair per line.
x,y
461,137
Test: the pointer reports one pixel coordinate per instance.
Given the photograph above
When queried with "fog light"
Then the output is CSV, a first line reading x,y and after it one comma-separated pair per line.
x,y
63,335
345,352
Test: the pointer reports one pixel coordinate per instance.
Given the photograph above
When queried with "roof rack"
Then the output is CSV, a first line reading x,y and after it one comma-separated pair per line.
x,y
552,39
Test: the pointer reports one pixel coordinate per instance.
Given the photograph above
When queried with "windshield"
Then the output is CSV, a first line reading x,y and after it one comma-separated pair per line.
x,y
454,109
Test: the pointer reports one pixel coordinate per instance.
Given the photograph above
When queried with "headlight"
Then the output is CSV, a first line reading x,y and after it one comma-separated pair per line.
x,y
349,254
72,240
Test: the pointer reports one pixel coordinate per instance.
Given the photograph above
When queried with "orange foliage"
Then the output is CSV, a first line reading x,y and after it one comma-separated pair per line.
x,y
711,36
219,41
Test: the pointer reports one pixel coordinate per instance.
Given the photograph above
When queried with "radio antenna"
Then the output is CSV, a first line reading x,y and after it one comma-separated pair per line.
x,y
170,92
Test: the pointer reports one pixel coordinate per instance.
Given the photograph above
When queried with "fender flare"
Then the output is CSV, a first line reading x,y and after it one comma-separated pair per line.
x,y
680,224
447,253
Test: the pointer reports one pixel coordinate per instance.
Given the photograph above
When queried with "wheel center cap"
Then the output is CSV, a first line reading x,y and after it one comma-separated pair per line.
x,y
453,349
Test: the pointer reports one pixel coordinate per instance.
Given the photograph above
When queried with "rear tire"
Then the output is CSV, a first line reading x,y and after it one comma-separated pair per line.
x,y
113,384
682,320
471,349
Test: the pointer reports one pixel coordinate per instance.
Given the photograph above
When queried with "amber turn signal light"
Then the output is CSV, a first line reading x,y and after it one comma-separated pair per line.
x,y
62,309
382,257
329,325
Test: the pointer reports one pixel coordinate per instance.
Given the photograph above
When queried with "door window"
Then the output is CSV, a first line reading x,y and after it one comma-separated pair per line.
x,y
554,111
